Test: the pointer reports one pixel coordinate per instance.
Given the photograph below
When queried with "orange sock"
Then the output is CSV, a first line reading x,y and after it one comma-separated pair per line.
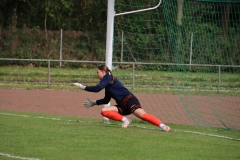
x,y
151,119
112,115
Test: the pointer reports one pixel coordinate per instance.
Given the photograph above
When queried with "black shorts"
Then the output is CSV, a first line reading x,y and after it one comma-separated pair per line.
x,y
128,105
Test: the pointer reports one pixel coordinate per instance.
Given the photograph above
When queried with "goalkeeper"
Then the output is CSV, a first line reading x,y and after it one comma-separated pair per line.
x,y
127,103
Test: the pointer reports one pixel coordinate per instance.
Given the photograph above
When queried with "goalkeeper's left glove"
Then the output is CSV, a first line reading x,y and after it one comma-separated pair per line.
x,y
79,85
89,103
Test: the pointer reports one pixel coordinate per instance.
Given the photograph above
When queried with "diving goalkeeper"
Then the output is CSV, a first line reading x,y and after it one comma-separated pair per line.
x,y
127,103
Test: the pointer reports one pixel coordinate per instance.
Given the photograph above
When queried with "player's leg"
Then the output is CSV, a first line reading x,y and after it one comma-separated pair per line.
x,y
140,113
112,112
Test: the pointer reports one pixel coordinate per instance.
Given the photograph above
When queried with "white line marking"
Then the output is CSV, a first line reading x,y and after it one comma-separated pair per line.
x,y
206,134
57,119
18,115
17,157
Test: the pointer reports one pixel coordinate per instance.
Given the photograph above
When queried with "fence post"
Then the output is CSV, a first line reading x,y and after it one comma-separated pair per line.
x,y
133,76
219,77
48,85
61,49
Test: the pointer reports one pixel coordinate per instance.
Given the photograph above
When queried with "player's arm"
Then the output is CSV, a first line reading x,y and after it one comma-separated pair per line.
x,y
96,88
105,100
90,103
102,84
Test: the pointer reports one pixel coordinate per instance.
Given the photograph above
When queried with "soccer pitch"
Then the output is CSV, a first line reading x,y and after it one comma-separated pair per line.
x,y
35,136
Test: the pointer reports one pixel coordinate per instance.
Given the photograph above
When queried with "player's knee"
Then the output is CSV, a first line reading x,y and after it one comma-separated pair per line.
x,y
105,110
108,109
102,111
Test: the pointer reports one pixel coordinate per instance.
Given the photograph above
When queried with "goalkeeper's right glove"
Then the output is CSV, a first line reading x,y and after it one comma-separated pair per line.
x,y
88,103
79,85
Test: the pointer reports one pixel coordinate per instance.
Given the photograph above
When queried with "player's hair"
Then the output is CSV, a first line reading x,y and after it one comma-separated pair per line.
x,y
107,70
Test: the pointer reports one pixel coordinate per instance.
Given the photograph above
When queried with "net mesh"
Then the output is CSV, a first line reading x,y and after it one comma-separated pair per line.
x,y
192,50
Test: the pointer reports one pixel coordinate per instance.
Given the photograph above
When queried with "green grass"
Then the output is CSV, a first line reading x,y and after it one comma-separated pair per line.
x,y
52,137
144,81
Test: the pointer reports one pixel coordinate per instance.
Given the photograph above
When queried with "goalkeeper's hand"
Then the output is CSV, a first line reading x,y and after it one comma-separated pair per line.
x,y
89,103
79,85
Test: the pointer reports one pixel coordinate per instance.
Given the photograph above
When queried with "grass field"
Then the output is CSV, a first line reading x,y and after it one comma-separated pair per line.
x,y
32,136
144,81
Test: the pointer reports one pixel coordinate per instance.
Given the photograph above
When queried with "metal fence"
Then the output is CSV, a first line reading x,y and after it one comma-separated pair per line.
x,y
133,64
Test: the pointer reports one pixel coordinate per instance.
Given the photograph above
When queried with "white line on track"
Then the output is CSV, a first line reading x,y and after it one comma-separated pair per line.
x,y
199,133
191,132
17,157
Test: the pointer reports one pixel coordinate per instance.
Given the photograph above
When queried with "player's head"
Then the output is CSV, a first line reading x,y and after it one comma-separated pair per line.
x,y
102,71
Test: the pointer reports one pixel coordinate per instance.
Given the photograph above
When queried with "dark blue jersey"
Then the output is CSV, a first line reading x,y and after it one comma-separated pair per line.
x,y
116,90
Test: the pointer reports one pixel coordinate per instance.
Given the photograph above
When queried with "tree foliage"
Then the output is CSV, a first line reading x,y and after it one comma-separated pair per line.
x,y
75,15
31,29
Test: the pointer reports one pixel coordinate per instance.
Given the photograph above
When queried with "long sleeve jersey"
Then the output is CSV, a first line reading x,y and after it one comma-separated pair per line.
x,y
116,90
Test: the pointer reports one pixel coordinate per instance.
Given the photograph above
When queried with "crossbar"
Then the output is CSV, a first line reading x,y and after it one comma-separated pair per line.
x,y
140,10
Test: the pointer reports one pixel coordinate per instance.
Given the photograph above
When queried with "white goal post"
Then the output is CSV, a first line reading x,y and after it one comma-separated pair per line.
x,y
110,27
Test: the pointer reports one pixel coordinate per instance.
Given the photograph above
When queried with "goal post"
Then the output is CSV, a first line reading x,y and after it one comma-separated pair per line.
x,y
186,57
110,29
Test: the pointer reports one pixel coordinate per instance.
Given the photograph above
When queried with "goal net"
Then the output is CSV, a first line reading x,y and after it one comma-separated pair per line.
x,y
186,56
